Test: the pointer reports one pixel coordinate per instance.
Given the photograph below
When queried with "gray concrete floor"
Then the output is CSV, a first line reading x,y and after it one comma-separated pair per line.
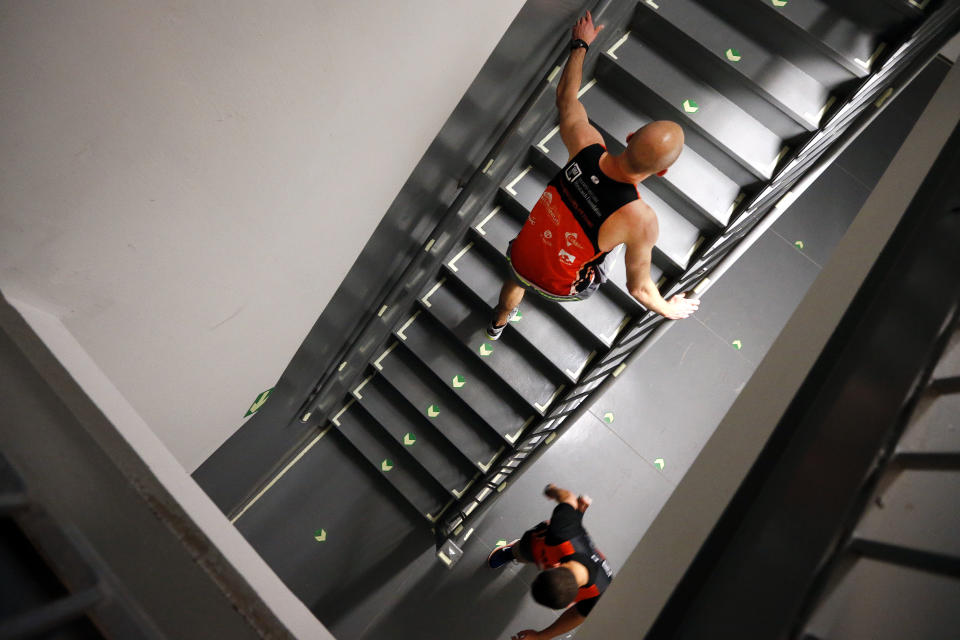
x,y
375,575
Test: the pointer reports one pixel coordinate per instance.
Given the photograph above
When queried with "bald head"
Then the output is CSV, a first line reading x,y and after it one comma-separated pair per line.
x,y
654,147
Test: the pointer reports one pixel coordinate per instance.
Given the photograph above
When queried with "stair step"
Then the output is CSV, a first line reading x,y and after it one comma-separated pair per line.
x,y
678,236
692,185
891,18
539,323
411,429
798,29
509,358
440,405
729,60
487,395
934,427
393,463
916,510
665,91
601,315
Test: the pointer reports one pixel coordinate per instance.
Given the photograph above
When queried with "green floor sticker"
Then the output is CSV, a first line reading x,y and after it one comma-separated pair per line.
x,y
517,317
798,244
500,543
733,55
409,439
486,349
458,381
260,400
737,345
433,410
690,106
608,417
779,3
387,464
658,463
320,535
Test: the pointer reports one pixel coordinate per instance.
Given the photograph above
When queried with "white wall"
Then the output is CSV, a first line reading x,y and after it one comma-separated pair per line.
x,y
185,184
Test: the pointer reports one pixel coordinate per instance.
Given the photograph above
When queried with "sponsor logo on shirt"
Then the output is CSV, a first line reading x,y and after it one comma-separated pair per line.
x,y
566,258
573,172
572,239
547,199
546,237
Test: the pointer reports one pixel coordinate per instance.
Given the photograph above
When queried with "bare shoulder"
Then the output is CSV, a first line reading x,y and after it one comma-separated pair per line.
x,y
639,221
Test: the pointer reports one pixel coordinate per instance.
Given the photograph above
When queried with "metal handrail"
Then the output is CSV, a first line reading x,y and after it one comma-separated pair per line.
x,y
793,177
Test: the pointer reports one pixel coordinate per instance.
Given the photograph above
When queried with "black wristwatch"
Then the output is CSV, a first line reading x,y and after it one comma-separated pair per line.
x,y
577,44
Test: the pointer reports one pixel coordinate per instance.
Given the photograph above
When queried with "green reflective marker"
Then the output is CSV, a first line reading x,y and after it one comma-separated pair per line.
x,y
387,464
658,463
517,317
779,3
737,345
690,106
500,543
458,381
798,244
258,402
433,410
409,439
486,349
733,55
320,535
608,417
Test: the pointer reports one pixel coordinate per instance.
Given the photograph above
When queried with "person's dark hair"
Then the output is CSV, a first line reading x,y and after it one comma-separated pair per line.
x,y
555,588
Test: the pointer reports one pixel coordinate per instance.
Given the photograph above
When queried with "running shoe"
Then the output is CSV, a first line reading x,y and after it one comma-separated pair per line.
x,y
493,330
501,555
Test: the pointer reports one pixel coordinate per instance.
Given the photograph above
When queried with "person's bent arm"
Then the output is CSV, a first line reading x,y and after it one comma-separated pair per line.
x,y
575,128
561,496
569,620
642,287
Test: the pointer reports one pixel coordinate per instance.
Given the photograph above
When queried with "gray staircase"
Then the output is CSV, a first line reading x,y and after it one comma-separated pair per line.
x,y
748,81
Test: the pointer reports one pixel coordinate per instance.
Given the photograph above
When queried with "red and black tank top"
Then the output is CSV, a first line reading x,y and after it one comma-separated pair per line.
x,y
579,548
557,247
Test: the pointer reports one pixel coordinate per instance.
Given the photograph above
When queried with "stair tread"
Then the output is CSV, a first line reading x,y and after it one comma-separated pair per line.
x,y
677,234
692,176
453,418
539,322
377,447
934,427
410,429
745,139
772,76
483,392
879,16
508,358
601,314
917,510
842,36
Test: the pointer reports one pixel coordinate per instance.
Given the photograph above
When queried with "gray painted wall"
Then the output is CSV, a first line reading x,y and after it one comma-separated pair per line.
x,y
185,185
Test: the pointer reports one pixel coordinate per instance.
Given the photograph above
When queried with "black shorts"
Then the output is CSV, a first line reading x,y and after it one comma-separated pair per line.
x,y
523,549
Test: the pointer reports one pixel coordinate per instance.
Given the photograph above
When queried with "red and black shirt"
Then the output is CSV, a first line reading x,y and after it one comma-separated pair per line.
x,y
557,248
563,538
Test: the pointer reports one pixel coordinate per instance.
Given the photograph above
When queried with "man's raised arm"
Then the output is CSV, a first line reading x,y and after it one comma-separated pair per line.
x,y
575,128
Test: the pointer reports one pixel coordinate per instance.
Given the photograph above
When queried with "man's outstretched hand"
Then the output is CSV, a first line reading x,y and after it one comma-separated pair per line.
x,y
584,29
680,306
